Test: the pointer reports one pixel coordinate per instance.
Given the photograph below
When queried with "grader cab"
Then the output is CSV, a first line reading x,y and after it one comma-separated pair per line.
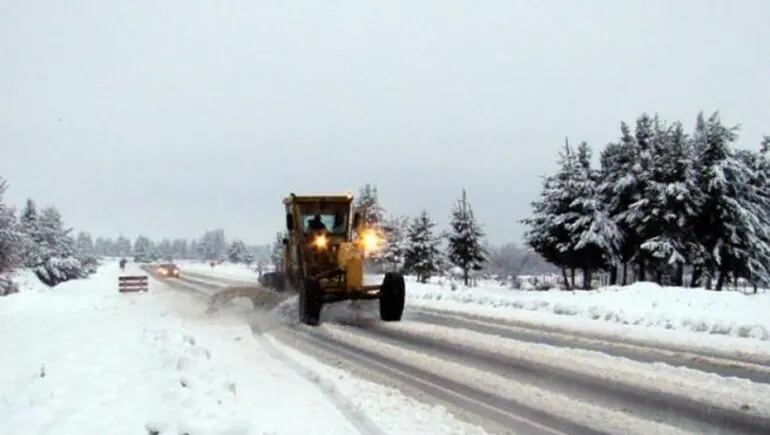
x,y
324,254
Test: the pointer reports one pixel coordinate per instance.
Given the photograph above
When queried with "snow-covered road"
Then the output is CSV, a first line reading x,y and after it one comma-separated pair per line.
x,y
507,376
84,359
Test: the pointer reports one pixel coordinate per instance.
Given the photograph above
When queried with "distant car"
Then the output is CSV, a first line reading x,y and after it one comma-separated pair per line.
x,y
169,270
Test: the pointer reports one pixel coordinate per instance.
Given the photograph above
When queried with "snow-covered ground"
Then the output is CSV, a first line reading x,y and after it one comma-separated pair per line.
x,y
223,270
83,359
642,310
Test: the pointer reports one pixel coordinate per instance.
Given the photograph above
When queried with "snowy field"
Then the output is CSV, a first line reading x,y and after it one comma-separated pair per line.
x,y
83,359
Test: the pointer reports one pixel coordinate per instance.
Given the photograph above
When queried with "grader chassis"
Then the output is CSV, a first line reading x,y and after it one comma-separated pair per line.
x,y
323,258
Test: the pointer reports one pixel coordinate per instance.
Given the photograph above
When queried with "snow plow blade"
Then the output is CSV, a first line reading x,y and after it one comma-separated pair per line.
x,y
260,296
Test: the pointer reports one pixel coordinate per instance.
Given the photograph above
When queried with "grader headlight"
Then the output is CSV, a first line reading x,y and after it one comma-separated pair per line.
x,y
320,241
370,241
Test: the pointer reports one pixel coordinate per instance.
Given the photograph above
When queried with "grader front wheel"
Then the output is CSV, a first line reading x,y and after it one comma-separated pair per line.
x,y
392,295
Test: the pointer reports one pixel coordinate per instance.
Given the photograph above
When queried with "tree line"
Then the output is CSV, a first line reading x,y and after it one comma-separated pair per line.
x,y
663,205
211,246
40,241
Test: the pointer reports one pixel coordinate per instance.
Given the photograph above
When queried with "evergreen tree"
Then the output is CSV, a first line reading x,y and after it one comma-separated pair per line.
x,y
395,242
11,238
618,190
594,236
29,226
165,251
213,246
123,247
85,252
721,178
548,233
195,250
54,250
237,253
144,251
367,204
84,245
179,248
100,247
465,247
674,201
422,256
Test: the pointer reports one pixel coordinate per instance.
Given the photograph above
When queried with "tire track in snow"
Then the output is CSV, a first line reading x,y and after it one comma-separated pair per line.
x,y
691,410
345,406
737,357
643,353
359,420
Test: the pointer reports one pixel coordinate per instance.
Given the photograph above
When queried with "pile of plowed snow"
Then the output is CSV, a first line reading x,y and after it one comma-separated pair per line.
x,y
727,313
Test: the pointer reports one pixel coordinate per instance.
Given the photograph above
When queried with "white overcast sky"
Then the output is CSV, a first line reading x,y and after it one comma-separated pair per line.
x,y
172,117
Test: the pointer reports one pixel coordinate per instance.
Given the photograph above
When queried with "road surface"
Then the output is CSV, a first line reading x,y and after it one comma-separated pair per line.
x,y
513,377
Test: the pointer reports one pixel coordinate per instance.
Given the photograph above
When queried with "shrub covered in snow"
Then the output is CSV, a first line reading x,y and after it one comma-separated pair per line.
x,y
56,270
50,250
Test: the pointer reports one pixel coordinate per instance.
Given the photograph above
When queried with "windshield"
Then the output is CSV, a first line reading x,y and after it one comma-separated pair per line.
x,y
329,216
333,223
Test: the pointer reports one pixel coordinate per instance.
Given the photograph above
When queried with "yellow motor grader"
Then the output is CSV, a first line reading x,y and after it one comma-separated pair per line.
x,y
323,257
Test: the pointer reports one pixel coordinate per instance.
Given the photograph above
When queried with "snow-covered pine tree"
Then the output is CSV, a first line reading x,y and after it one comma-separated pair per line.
x,y
764,146
641,207
732,220
594,236
368,205
422,256
548,234
123,247
213,245
395,242
237,252
465,248
671,203
84,245
179,248
618,189
195,250
85,252
100,247
164,250
29,226
144,251
755,195
11,240
55,250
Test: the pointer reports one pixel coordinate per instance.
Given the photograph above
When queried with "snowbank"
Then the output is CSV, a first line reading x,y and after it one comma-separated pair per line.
x,y
84,359
642,304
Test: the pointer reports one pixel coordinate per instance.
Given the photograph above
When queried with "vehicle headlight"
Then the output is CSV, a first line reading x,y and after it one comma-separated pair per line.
x,y
370,240
320,241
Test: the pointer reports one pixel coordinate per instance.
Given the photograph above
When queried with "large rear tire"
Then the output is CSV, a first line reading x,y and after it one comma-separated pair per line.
x,y
310,302
392,295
